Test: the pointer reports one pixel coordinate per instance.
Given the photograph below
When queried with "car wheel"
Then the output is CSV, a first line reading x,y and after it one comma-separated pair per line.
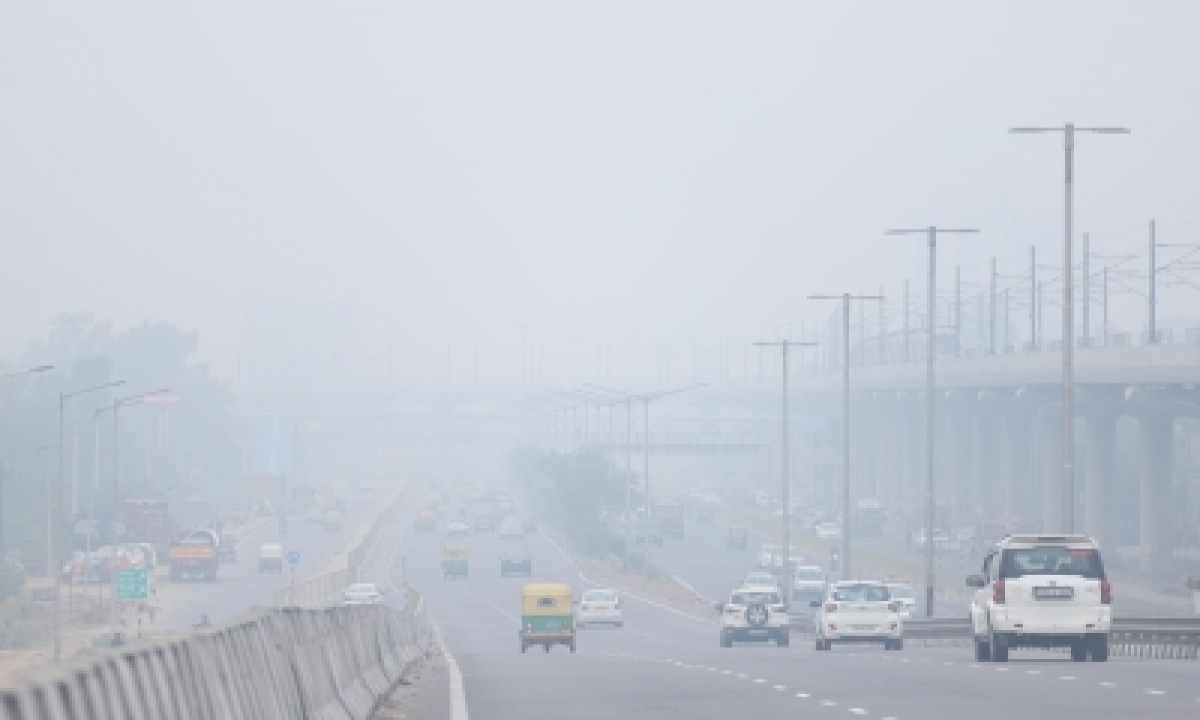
x,y
1079,651
983,651
572,646
999,650
524,647
1099,648
546,647
726,640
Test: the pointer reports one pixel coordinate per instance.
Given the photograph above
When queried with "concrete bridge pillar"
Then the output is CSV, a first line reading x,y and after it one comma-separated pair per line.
x,y
1157,446
1049,439
1100,456
1016,468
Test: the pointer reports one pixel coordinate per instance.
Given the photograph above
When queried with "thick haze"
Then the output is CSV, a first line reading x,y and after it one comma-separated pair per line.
x,y
457,175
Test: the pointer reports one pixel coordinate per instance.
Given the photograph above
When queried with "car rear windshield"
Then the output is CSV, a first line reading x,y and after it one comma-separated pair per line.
x,y
755,599
1051,560
861,593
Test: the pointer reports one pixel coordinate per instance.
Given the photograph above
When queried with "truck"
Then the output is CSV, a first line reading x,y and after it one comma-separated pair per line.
x,y
869,517
196,553
146,522
669,517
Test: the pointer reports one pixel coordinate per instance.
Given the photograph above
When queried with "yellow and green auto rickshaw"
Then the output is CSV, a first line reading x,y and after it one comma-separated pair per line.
x,y
547,616
454,562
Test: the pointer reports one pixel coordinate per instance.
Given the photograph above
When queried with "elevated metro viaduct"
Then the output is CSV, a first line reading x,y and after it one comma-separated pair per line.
x,y
999,451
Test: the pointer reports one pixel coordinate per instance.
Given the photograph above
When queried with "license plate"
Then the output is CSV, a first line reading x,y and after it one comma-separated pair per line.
x,y
1053,593
862,628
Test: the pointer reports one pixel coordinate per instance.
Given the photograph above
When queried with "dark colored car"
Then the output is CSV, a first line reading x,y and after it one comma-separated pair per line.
x,y
516,562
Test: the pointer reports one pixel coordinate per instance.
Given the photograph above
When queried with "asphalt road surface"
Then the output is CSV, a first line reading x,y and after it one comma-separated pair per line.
x,y
663,664
239,586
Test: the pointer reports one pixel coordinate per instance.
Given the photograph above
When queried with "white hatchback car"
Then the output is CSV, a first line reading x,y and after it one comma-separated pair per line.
x,y
599,607
857,611
362,594
1042,591
754,612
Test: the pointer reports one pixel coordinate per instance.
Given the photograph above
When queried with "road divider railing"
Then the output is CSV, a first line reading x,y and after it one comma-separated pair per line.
x,y
336,662
327,587
1144,637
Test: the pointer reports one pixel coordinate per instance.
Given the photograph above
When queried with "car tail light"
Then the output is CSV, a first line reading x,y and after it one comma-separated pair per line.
x,y
779,608
1105,593
733,610
998,591
894,607
830,607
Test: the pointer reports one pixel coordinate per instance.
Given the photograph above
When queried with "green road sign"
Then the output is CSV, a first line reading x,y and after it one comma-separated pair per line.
x,y
131,585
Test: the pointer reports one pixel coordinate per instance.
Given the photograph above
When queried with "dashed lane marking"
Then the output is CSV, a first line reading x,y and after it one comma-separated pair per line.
x,y
858,711
1067,677
801,695
1152,691
828,703
781,687
1108,684
759,680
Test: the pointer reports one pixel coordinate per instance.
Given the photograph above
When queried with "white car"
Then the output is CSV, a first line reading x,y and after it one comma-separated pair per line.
x,y
809,582
856,611
599,607
903,594
457,527
760,577
754,612
828,530
766,555
362,594
511,529
1042,591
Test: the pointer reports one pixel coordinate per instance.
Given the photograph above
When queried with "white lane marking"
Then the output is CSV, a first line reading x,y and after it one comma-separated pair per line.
x,y
781,687
759,680
1001,669
858,711
458,695
726,672
742,675
1152,691
801,695
712,669
906,660
1108,684
1067,677
973,667
828,703
947,662
1033,672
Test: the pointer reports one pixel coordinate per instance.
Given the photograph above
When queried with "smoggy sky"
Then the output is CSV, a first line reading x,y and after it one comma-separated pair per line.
x,y
567,174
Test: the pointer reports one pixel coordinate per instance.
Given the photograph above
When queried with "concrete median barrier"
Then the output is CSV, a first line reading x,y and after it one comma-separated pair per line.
x,y
330,663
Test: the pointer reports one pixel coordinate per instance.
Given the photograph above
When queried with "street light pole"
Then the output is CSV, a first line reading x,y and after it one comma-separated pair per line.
x,y
1068,332
785,476
931,234
55,495
847,513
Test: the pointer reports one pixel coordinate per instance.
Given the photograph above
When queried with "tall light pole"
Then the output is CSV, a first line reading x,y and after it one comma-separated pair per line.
x,y
55,493
847,513
785,477
930,403
1068,333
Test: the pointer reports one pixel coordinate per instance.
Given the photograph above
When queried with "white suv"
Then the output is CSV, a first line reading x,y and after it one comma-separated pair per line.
x,y
754,612
1042,591
856,611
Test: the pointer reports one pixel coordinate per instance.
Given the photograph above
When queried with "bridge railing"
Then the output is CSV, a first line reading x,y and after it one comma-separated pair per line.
x,y
283,663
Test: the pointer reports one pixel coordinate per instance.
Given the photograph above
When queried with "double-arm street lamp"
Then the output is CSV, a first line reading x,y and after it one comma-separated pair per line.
x,y
784,346
847,513
930,405
55,493
1068,321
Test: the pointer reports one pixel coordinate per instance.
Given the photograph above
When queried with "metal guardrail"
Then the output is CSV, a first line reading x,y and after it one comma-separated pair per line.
x,y
336,662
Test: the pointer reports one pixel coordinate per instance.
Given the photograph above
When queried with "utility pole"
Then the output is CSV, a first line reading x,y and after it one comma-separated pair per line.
x,y
1086,291
847,514
1033,300
1068,353
957,311
882,331
907,345
930,403
785,477
1152,337
992,310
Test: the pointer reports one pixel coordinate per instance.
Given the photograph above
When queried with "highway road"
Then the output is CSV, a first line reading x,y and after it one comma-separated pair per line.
x,y
239,586
664,664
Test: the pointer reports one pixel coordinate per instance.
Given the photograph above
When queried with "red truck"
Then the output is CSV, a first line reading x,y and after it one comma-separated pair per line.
x,y
195,554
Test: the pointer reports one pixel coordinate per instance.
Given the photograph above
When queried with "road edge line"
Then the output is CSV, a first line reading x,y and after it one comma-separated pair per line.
x,y
458,693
